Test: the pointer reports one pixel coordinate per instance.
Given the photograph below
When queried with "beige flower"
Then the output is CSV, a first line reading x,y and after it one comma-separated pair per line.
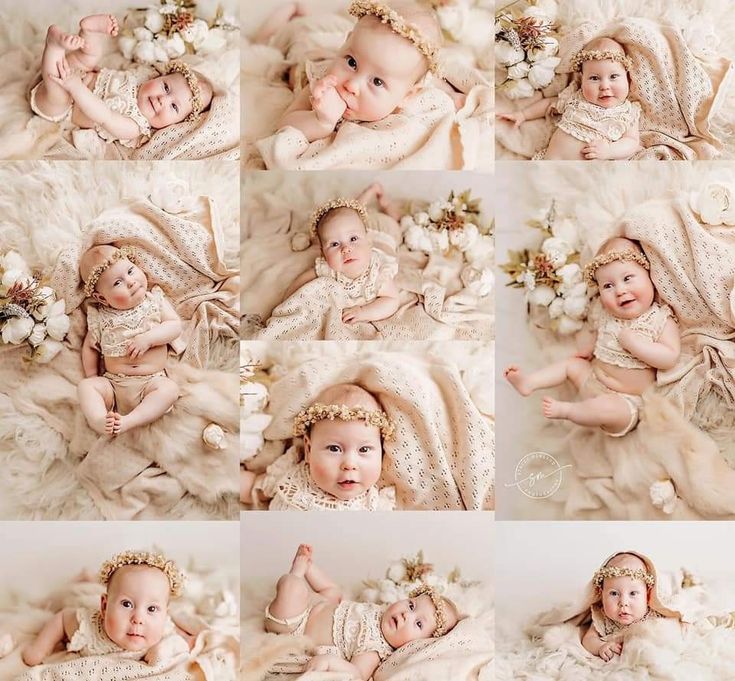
x,y
518,89
57,323
506,54
541,295
17,329
37,335
715,202
46,351
154,20
542,72
214,436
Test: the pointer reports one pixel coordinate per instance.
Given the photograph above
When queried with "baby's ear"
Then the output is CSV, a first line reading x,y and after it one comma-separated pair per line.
x,y
99,298
103,604
307,447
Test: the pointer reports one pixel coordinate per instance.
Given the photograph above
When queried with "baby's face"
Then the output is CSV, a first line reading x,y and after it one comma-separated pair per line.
x,y
165,100
624,599
135,607
344,457
409,620
604,83
626,289
122,286
345,244
376,70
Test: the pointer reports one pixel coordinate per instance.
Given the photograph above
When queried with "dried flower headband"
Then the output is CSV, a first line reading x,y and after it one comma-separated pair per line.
x,y
193,82
325,208
154,560
436,599
600,55
361,8
612,572
318,412
606,258
126,252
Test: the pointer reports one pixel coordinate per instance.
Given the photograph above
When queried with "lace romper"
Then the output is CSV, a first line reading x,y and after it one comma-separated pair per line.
x,y
356,629
289,486
366,287
90,638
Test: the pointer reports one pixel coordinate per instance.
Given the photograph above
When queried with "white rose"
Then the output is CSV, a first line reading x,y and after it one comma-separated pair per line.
x,y
396,572
479,282
575,306
518,89
439,240
173,47
570,275
46,351
49,298
154,20
568,326
417,239
214,436
541,295
437,581
250,444
435,211
13,261
663,495
421,219
173,195
17,329
519,70
142,34
556,309
542,72
159,53
145,52
195,33
566,230
464,238
482,252
127,44
506,54
13,277
6,645
215,41
556,250
300,241
57,323
388,592
548,49
254,397
715,202
37,335
407,222
528,280
370,595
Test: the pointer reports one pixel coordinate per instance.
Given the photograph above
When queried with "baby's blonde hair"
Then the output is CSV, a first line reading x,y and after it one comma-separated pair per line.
x,y
351,394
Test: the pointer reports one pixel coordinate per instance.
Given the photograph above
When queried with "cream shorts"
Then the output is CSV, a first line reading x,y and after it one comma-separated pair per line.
x,y
128,390
54,119
592,387
294,625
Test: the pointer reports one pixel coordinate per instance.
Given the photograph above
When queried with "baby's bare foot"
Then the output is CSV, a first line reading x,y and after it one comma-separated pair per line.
x,y
302,560
555,409
67,41
518,380
111,421
100,23
123,423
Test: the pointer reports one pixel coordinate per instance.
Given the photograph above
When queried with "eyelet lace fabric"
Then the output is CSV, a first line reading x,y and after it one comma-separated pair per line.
x,y
356,629
368,284
90,638
119,91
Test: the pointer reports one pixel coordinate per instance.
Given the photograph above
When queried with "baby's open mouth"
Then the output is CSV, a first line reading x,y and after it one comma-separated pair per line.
x,y
131,635
347,483
627,302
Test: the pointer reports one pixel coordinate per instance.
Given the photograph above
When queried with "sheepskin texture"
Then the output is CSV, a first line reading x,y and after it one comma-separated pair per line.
x,y
708,27
609,478
23,135
45,208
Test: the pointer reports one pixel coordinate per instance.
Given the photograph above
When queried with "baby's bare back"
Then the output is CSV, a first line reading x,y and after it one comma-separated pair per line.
x,y
319,624
622,380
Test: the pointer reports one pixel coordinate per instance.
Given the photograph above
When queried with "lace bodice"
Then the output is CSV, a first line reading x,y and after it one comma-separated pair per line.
x,y
587,122
90,638
382,268
356,629
112,329
650,324
606,627
288,483
119,91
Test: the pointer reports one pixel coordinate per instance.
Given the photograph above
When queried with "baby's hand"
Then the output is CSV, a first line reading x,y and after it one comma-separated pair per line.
x,y
628,337
318,663
326,102
608,650
597,149
138,345
353,314
68,78
514,117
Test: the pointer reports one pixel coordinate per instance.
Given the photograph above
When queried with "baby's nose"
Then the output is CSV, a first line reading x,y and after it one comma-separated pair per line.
x,y
352,86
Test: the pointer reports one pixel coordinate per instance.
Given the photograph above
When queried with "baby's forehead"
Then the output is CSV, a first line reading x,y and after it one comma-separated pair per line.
x,y
339,219
130,576
395,56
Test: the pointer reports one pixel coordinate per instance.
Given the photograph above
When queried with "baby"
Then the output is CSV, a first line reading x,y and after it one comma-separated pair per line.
x,y
343,430
132,617
359,636
115,103
347,256
635,337
131,329
597,119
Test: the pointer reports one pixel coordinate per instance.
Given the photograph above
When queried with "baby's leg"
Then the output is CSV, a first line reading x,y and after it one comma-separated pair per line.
x,y
94,31
159,395
51,98
247,480
606,411
292,589
278,19
43,645
323,584
96,398
575,369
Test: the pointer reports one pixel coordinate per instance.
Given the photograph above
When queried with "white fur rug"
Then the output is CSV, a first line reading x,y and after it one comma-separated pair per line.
x,y
45,207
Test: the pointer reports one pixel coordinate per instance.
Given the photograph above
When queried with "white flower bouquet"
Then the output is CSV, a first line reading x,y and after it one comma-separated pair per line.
x,y
526,48
551,275
253,401
161,33
29,311
714,202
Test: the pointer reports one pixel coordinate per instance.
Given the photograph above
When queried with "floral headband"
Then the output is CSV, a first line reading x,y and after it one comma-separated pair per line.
x,y
606,258
320,212
441,615
193,82
361,8
599,55
154,560
318,412
611,572
126,252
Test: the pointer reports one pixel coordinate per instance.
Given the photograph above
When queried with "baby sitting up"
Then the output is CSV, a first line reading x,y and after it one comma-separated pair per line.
x,y
598,121
355,637
344,431
635,337
131,328
132,617
117,104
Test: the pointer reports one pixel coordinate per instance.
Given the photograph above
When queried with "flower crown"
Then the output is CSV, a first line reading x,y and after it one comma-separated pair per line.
x,y
611,572
126,252
606,258
318,412
361,8
599,55
325,208
436,599
154,560
193,82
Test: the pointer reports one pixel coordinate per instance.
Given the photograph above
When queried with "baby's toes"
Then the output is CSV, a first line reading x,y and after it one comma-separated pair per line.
x,y
114,25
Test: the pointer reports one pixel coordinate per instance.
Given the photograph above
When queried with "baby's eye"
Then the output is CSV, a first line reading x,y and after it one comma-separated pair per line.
x,y
126,603
175,107
633,593
608,285
594,78
333,244
627,277
152,608
333,448
353,238
615,75
419,624
351,62
365,449
117,283
130,271
166,88
411,606
378,82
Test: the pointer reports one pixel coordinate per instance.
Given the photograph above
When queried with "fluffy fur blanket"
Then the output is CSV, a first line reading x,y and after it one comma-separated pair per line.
x,y
685,89
25,135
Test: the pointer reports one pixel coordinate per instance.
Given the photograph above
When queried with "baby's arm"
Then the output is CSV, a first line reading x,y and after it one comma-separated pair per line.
x,y
594,644
316,110
90,357
531,112
361,667
301,280
248,481
585,341
623,149
660,354
61,627
167,331
385,305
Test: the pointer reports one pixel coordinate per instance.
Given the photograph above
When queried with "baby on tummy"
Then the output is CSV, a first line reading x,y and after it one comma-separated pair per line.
x,y
131,328
597,119
365,273
358,636
132,617
343,430
114,103
635,337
